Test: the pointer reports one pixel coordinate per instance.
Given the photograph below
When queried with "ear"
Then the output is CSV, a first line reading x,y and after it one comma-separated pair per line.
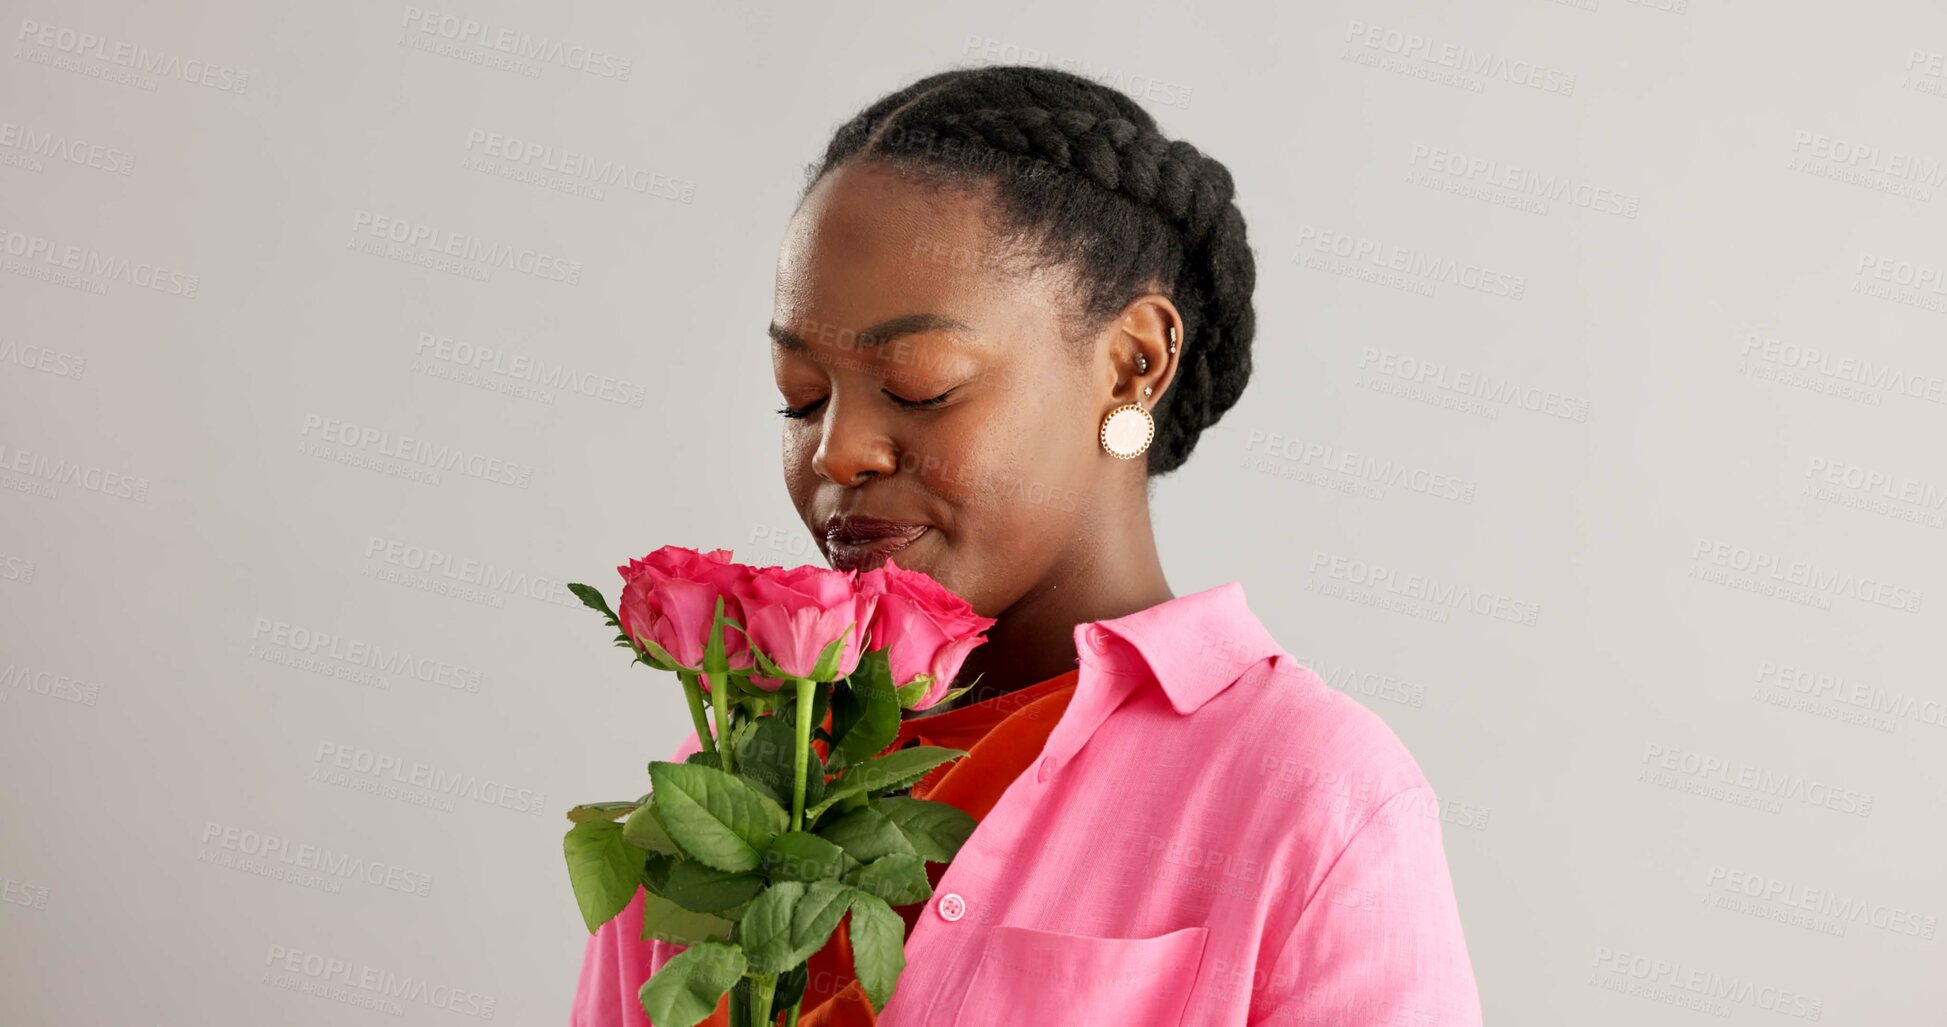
x,y
1139,350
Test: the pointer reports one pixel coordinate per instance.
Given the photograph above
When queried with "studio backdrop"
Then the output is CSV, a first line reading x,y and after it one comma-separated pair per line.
x,y
1594,442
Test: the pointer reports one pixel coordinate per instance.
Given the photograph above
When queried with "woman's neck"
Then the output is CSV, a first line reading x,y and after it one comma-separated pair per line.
x,y
1034,639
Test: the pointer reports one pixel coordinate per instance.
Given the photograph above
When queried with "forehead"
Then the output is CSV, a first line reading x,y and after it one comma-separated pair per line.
x,y
869,243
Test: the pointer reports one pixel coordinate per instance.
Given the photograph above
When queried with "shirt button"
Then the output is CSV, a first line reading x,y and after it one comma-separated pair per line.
x,y
952,906
1098,639
1047,770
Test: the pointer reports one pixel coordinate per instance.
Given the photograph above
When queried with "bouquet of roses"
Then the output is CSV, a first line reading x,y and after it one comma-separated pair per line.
x,y
753,849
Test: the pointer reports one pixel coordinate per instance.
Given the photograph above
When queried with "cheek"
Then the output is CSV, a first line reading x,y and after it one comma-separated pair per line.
x,y
1008,484
799,447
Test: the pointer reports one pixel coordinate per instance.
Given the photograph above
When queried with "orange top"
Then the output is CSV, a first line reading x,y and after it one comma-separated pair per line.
x,y
1002,736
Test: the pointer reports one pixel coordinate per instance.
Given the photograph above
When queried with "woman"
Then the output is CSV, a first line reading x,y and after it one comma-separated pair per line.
x,y
1005,304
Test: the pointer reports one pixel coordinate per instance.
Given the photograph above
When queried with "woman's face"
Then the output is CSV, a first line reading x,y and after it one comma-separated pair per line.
x,y
936,392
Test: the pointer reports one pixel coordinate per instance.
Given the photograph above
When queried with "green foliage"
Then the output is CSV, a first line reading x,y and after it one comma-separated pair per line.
x,y
790,921
889,773
603,869
704,889
900,879
865,712
689,987
723,873
718,818
878,946
935,829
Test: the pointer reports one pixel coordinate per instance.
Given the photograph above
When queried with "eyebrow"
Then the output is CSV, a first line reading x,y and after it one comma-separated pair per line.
x,y
881,333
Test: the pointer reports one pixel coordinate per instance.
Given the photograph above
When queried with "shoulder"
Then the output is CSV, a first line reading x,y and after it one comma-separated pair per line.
x,y
1307,732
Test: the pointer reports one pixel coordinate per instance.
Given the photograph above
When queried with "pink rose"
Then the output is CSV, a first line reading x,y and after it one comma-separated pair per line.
x,y
928,629
670,596
793,614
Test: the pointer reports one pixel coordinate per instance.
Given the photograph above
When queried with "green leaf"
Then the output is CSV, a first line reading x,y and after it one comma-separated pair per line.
x,y
705,889
767,753
601,811
872,714
878,936
913,691
708,759
888,773
670,922
657,656
866,834
790,921
790,988
692,984
826,669
936,829
603,868
797,856
715,817
714,660
655,872
898,879
644,831
591,597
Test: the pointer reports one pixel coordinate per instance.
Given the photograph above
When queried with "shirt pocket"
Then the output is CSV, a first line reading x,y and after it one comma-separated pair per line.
x,y
1029,976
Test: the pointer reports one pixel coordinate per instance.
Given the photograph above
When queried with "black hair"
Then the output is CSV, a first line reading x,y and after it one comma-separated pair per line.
x,y
1083,173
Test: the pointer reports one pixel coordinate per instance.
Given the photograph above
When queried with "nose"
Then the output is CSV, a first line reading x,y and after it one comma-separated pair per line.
x,y
854,448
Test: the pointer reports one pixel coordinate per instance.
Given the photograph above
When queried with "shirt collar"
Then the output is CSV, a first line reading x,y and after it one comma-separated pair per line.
x,y
1194,645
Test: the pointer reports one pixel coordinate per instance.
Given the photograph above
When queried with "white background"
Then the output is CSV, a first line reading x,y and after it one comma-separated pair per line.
x,y
1702,447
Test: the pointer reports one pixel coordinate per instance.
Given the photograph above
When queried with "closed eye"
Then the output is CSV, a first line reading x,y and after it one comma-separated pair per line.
x,y
799,413
920,404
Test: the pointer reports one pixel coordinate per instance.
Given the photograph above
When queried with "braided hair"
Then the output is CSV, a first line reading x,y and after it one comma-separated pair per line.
x,y
1081,174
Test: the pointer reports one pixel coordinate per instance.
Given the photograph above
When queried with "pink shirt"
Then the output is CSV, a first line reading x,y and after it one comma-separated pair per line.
x,y
1211,836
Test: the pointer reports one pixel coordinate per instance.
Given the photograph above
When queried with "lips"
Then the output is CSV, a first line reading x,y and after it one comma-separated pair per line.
x,y
862,543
